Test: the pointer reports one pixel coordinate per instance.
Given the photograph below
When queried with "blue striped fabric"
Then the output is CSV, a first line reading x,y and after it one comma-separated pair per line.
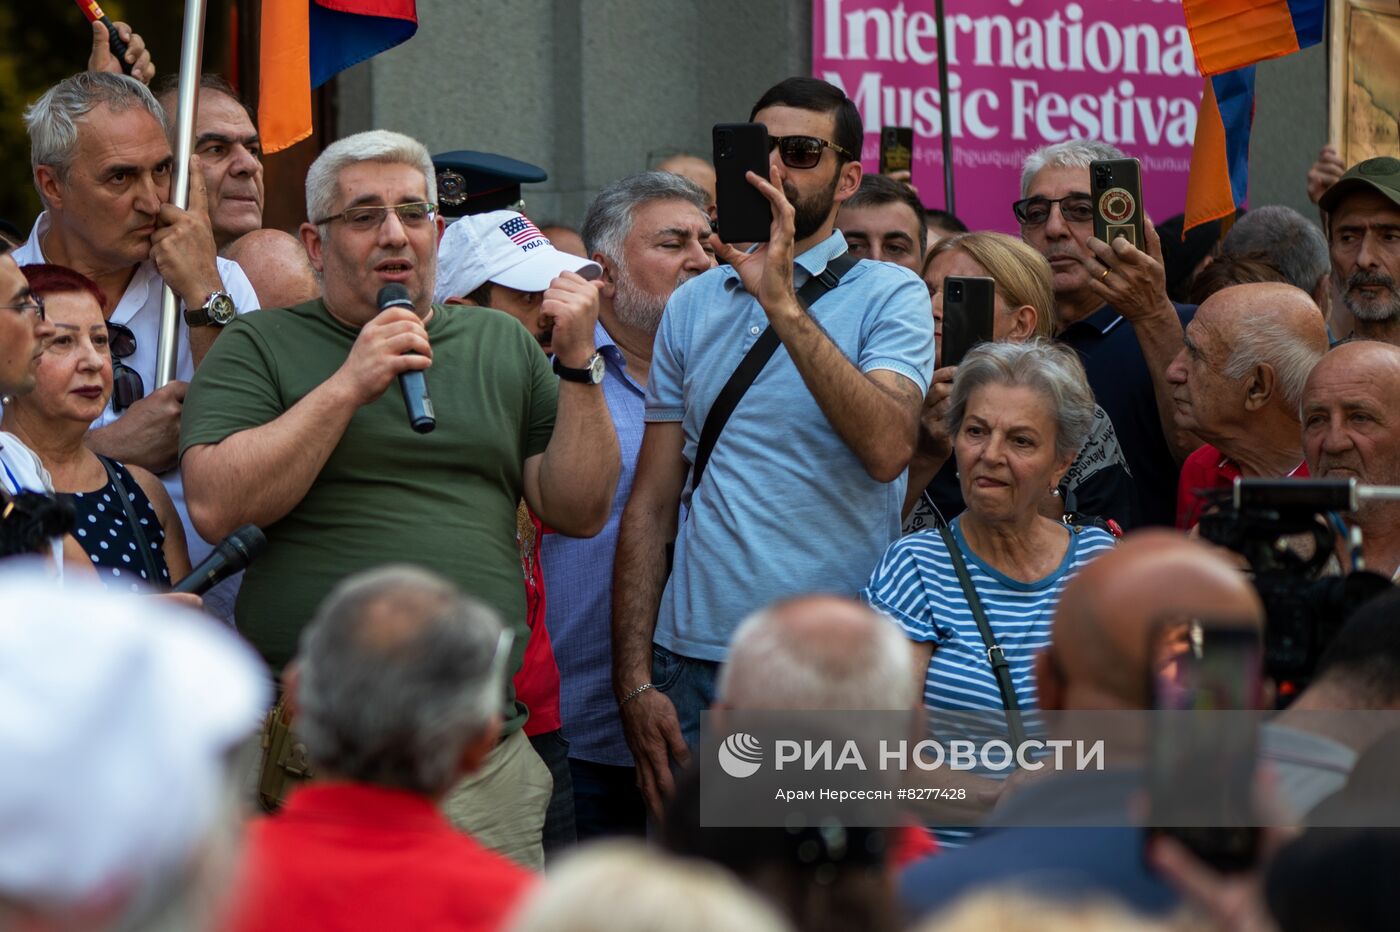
x,y
916,585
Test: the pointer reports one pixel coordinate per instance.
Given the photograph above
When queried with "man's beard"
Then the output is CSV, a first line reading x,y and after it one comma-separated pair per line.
x,y
641,309
1372,310
810,212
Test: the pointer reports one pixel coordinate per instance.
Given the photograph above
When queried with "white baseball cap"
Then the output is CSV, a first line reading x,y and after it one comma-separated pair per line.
x,y
117,716
505,248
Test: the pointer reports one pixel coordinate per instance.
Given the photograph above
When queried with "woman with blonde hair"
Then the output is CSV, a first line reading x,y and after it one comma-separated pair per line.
x,y
1098,485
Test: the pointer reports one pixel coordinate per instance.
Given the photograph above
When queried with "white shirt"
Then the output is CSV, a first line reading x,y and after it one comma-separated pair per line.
x,y
22,471
139,310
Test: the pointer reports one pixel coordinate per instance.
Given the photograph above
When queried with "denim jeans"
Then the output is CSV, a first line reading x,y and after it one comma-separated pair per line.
x,y
559,817
689,684
607,802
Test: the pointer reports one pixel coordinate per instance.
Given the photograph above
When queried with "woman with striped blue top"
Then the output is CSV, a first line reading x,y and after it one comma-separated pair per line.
x,y
1018,414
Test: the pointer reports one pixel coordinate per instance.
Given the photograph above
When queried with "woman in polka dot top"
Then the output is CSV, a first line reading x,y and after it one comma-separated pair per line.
x,y
127,524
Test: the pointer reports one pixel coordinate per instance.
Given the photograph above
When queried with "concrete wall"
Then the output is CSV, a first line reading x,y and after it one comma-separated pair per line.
x,y
587,89
595,89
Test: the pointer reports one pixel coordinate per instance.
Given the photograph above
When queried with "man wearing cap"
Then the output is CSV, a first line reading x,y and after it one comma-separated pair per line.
x,y
295,423
501,260
1363,232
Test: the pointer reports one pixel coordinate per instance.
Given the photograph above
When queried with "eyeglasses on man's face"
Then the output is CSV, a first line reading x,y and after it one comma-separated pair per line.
x,y
803,151
369,217
32,303
1035,211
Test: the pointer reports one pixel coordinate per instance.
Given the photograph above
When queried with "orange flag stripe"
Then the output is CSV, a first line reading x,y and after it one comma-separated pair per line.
x,y
1208,194
1229,34
284,95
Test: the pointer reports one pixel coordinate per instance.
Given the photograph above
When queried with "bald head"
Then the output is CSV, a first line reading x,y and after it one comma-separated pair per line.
x,y
1101,638
1239,378
695,169
818,652
276,264
1351,425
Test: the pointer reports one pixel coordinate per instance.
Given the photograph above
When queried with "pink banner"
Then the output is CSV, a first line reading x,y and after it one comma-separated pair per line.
x,y
1021,74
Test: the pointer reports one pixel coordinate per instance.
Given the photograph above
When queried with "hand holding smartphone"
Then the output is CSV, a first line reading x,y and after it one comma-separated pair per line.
x,y
969,303
1115,187
744,214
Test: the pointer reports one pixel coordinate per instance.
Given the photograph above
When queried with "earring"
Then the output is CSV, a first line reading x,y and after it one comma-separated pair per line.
x,y
1055,491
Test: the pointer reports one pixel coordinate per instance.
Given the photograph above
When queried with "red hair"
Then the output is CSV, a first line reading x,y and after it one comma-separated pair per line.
x,y
45,279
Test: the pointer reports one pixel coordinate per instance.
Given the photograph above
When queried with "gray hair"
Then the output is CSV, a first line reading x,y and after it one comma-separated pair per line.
x,y
52,120
1268,340
1049,368
772,666
1292,243
1072,153
397,678
609,219
377,145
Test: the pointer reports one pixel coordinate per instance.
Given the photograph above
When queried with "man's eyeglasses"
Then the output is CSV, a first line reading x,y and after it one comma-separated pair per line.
x,y
803,151
364,219
1034,211
127,387
32,303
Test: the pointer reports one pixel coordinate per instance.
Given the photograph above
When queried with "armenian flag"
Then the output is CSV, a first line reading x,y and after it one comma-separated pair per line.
x,y
1229,37
1231,34
305,43
1219,181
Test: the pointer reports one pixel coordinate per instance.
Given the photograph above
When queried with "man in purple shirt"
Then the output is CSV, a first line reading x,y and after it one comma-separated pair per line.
x,y
649,232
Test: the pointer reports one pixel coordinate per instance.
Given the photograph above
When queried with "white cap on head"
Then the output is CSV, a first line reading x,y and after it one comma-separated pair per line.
x,y
117,716
505,248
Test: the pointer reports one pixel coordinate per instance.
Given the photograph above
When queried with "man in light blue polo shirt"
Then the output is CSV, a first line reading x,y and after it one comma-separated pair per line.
x,y
803,490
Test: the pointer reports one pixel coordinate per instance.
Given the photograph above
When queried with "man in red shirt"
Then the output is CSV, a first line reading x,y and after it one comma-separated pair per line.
x,y
397,688
1237,384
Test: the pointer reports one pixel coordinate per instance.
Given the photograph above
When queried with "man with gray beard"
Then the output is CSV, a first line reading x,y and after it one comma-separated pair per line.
x,y
649,232
1363,234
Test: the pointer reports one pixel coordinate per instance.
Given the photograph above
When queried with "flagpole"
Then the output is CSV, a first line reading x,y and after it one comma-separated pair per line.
x,y
191,63
944,115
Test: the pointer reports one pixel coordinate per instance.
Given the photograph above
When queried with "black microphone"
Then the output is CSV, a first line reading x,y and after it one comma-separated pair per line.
x,y
233,554
412,383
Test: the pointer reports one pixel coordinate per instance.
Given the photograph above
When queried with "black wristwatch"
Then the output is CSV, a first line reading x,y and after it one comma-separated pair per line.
x,y
591,374
216,312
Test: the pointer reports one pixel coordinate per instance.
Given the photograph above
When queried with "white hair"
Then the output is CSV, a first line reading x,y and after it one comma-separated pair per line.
x,y
377,145
1072,153
52,120
1267,340
623,886
772,665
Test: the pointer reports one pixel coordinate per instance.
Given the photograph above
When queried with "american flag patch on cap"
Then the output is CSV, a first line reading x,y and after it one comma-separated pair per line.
x,y
521,231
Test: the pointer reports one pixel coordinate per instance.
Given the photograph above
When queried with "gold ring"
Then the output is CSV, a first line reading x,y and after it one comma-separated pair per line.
x,y
1105,274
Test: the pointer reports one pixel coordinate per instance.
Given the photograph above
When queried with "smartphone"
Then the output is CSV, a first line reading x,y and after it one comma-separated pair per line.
x,y
1115,187
745,215
1205,744
968,305
896,149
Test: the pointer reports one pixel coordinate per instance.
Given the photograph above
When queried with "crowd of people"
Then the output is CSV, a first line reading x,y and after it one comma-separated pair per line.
x,y
667,475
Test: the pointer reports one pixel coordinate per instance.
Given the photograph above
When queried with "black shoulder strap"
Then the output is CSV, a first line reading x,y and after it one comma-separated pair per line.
x,y
1000,668
143,546
753,362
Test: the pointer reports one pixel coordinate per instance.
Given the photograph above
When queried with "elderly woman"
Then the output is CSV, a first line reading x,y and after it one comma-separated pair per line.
x,y
1017,414
126,523
1097,484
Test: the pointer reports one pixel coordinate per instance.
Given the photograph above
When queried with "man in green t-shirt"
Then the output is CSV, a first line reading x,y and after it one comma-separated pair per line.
x,y
295,425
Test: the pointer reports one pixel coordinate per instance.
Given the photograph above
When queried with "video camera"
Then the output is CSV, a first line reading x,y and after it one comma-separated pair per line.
x,y
1303,608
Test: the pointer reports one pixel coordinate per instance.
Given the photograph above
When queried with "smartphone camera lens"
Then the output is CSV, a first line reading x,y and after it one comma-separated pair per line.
x,y
955,291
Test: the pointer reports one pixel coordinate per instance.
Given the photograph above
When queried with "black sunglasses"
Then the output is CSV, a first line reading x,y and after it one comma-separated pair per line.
x,y
804,151
1033,211
127,387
